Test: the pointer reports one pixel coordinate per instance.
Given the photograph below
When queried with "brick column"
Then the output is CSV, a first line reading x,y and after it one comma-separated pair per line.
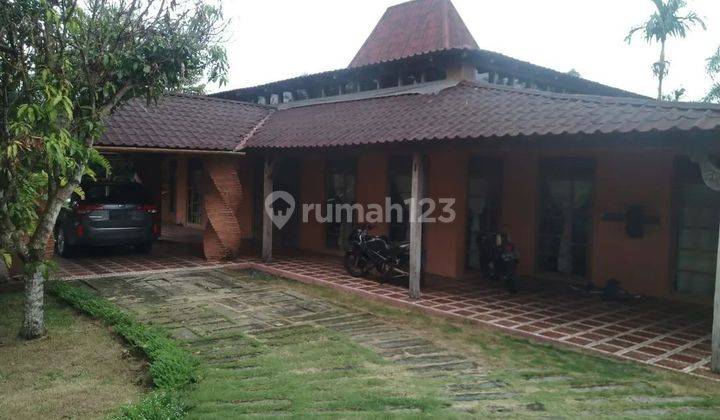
x,y
223,197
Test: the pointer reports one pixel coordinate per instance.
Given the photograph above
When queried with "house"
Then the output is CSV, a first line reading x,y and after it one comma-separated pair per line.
x,y
592,182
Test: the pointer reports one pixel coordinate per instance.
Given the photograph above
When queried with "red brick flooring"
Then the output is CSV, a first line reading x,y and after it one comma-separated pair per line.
x,y
100,262
667,335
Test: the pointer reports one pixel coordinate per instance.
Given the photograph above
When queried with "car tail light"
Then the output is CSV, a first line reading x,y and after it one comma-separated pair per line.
x,y
80,230
87,208
148,208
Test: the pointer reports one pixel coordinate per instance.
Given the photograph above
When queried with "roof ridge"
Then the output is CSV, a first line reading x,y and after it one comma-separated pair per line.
x,y
594,98
252,132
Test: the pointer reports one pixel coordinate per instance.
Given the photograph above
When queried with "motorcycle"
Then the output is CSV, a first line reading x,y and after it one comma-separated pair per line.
x,y
498,259
368,253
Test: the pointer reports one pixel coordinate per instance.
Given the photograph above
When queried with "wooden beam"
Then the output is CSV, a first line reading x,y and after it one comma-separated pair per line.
x,y
267,221
417,193
123,149
715,360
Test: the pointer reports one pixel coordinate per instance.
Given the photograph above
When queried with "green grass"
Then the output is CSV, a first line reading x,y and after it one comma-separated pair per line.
x,y
53,377
172,368
514,361
309,372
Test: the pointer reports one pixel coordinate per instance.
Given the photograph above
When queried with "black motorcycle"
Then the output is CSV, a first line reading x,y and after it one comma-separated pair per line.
x,y
498,259
368,253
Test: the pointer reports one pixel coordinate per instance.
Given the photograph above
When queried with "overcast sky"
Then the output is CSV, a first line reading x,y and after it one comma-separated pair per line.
x,y
271,40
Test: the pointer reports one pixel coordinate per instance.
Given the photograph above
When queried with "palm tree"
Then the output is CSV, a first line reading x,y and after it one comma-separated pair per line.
x,y
664,23
713,69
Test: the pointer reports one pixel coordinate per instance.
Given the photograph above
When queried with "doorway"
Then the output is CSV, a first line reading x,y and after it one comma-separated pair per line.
x,y
565,216
484,198
286,177
696,239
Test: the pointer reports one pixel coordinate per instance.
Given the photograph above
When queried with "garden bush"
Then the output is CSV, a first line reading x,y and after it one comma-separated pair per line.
x,y
171,367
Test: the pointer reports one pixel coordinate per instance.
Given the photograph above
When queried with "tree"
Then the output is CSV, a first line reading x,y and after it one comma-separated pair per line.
x,y
675,96
65,67
573,73
713,69
667,21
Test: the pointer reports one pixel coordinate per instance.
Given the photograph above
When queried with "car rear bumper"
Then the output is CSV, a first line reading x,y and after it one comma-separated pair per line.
x,y
113,236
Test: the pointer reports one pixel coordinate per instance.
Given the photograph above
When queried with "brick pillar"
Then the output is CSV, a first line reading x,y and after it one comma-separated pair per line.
x,y
222,237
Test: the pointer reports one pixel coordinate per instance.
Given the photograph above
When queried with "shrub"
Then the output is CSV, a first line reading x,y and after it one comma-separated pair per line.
x,y
171,367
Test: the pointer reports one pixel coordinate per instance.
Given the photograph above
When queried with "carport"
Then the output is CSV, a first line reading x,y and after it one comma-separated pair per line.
x,y
185,151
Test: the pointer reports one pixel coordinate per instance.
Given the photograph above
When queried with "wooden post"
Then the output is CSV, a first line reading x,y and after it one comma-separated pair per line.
x,y
267,221
418,180
715,360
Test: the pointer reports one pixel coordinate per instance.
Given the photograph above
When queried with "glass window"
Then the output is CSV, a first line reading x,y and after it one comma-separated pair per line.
x,y
339,190
195,197
566,189
484,197
697,230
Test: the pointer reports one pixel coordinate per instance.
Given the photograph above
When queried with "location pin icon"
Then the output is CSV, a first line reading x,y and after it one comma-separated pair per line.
x,y
285,201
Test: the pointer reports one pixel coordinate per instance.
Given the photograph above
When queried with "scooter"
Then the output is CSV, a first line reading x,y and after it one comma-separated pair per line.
x,y
498,259
369,253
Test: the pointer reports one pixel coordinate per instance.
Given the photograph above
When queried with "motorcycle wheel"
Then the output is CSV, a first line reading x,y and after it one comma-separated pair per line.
x,y
386,273
355,264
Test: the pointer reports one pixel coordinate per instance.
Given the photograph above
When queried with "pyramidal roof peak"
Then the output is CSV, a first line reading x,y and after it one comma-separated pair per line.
x,y
413,28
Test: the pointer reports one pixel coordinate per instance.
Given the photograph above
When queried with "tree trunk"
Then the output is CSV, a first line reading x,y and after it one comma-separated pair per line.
x,y
34,320
4,273
661,73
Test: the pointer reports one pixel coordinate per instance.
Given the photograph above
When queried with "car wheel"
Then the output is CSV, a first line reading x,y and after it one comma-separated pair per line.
x,y
62,248
144,248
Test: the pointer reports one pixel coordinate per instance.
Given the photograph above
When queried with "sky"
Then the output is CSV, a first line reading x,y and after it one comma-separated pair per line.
x,y
269,40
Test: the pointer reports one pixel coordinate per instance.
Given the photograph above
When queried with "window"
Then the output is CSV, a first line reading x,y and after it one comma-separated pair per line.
x,y
195,197
566,189
339,190
400,183
484,195
697,230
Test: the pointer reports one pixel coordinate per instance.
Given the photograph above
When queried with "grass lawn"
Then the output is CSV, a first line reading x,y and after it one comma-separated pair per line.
x,y
80,370
270,347
552,380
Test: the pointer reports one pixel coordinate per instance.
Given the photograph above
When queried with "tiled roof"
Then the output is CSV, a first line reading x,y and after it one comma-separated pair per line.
x,y
583,85
183,122
474,110
414,28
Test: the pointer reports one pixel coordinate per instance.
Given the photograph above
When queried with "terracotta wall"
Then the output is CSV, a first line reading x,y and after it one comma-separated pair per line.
x,y
518,206
622,178
444,243
372,184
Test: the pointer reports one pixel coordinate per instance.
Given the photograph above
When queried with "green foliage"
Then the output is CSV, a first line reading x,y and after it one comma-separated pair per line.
x,y
65,66
666,22
675,96
160,405
171,367
713,69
